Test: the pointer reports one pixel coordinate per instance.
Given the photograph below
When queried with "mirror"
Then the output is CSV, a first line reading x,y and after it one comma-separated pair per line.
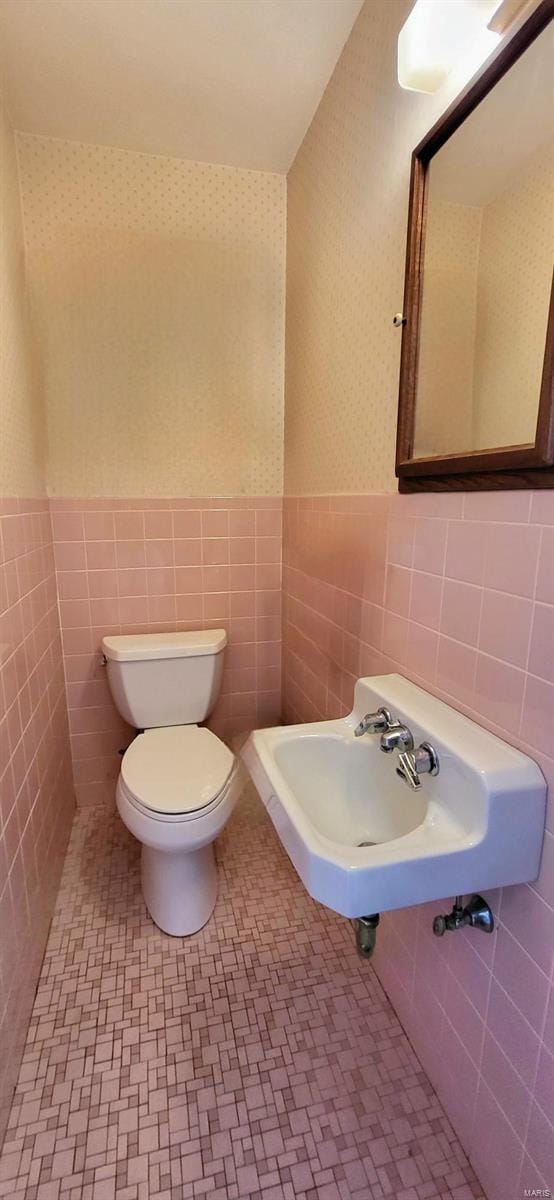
x,y
475,385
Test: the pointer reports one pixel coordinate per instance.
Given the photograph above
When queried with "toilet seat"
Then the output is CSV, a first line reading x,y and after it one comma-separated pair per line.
x,y
177,771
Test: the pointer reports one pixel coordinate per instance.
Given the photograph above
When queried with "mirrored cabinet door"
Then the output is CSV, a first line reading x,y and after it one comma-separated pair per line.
x,y
476,385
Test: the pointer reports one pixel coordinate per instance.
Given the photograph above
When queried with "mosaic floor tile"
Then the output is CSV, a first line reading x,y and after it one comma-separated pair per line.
x,y
258,1060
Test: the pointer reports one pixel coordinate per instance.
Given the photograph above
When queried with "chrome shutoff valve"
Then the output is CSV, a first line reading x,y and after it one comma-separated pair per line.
x,y
475,913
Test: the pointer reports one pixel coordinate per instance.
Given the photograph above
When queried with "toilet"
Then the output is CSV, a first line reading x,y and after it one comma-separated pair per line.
x,y
178,782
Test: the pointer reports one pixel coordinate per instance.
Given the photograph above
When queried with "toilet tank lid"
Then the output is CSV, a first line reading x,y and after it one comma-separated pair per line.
x,y
140,646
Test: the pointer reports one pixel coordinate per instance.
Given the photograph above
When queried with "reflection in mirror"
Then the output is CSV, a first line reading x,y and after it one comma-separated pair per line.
x,y
487,268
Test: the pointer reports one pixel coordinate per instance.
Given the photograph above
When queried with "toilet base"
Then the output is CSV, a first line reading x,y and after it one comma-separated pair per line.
x,y
180,890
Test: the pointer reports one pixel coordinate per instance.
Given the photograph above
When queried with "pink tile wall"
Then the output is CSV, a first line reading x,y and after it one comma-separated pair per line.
x,y
456,592
36,793
129,566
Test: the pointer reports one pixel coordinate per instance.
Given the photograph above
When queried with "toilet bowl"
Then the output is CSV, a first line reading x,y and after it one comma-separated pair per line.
x,y
178,782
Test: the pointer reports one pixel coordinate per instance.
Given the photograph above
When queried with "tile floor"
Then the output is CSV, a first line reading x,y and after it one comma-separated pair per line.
x,y
258,1060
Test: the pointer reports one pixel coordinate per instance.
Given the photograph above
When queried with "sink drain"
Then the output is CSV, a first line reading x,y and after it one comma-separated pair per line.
x,y
360,844
366,934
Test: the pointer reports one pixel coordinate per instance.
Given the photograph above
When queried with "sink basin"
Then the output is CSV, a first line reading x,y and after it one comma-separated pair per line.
x,y
362,841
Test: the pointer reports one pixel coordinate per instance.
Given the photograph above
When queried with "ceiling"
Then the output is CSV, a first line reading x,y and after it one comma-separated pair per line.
x,y
503,133
221,81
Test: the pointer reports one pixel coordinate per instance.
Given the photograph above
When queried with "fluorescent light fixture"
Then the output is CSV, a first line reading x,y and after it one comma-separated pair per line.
x,y
440,35
507,12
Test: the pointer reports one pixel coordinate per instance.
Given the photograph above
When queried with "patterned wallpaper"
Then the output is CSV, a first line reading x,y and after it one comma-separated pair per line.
x,y
158,294
21,427
346,236
487,280
447,338
515,277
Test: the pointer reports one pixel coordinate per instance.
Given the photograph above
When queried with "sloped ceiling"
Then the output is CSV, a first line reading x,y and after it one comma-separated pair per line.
x,y
221,81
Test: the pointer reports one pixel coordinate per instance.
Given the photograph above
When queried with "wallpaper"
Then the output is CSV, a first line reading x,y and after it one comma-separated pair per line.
x,y
21,430
157,288
346,236
447,337
486,291
515,278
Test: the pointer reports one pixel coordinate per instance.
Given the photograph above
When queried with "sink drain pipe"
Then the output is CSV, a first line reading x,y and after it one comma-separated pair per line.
x,y
366,934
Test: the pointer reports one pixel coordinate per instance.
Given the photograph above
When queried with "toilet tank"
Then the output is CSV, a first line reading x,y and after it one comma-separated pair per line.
x,y
165,678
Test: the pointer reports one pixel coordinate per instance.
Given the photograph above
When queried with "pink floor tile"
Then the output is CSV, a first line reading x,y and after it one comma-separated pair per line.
x,y
258,1060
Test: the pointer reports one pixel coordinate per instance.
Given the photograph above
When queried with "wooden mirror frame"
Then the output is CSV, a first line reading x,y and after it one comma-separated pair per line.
x,y
530,465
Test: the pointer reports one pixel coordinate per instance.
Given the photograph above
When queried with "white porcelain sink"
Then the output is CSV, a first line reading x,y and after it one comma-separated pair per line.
x,y
478,824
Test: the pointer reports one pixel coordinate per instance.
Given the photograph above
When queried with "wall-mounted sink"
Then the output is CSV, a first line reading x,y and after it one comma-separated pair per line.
x,y
362,841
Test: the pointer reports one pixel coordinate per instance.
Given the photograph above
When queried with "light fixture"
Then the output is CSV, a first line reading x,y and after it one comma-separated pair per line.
x,y
507,12
440,35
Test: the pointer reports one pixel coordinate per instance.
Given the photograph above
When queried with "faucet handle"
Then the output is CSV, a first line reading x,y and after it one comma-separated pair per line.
x,y
375,722
407,769
424,760
396,737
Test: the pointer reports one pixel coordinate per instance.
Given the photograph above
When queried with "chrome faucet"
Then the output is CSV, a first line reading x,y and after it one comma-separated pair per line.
x,y
424,760
396,737
412,762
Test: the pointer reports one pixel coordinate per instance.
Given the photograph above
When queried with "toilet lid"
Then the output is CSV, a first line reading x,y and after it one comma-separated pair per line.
x,y
177,769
